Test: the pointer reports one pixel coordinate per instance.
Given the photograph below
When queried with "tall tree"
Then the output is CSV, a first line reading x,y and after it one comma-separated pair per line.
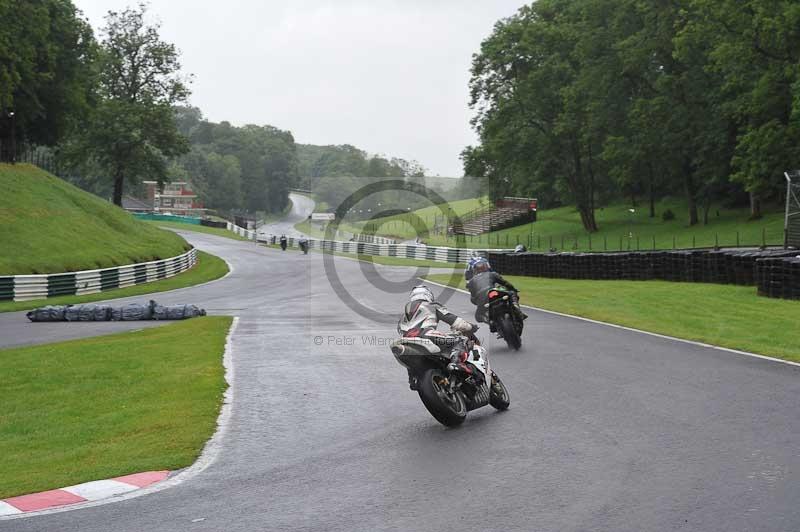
x,y
754,46
532,116
133,131
47,54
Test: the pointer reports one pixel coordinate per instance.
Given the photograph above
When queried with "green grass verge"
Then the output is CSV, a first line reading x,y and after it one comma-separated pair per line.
x,y
310,229
218,231
111,405
50,226
561,228
208,268
385,261
723,315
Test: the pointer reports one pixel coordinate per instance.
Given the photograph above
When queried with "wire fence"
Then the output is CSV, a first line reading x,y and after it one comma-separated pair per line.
x,y
435,227
628,242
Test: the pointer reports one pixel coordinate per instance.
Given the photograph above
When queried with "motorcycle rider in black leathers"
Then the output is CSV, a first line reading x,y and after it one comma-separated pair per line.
x,y
422,314
483,280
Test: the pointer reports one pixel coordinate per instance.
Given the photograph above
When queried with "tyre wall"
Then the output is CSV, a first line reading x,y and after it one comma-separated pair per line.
x,y
775,272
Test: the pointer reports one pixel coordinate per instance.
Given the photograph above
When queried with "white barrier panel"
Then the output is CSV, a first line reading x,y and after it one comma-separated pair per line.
x,y
30,287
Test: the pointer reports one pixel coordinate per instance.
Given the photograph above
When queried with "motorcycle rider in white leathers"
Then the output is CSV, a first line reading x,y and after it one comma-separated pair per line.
x,y
421,316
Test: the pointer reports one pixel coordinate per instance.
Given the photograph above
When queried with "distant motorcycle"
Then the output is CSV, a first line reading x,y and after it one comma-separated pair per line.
x,y
446,389
304,246
505,316
284,243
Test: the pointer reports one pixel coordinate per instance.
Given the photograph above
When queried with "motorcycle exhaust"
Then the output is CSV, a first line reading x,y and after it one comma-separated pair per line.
x,y
398,350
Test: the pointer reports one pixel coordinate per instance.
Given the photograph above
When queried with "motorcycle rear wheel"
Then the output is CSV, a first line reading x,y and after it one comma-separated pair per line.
x,y
509,332
448,408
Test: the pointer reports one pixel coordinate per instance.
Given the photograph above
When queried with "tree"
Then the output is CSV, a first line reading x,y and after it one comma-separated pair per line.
x,y
132,132
754,46
531,102
47,55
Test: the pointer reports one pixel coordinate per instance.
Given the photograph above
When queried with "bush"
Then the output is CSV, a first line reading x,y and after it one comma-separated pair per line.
x,y
668,215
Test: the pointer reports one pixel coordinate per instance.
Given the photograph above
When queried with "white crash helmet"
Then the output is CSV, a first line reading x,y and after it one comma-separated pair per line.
x,y
421,293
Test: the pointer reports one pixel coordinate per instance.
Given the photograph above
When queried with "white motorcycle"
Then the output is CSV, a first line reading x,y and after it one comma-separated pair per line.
x,y
448,389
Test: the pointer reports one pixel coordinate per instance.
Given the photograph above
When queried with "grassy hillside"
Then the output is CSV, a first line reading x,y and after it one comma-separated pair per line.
x,y
50,226
561,228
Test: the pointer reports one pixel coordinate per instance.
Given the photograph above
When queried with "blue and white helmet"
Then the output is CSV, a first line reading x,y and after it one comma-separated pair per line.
x,y
473,260
481,265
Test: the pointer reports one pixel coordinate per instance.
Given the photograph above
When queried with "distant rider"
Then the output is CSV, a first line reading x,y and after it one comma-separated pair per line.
x,y
483,280
473,260
421,316
284,242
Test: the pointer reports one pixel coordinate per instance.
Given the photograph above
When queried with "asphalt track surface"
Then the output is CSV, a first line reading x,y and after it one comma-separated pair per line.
x,y
302,207
608,429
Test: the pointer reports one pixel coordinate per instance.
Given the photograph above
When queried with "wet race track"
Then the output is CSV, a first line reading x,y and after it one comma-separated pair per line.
x,y
608,429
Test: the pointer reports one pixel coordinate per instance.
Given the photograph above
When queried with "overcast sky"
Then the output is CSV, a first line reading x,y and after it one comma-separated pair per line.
x,y
388,76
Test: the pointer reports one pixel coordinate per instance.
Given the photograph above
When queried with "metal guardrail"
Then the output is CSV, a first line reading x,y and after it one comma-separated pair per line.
x,y
403,251
30,287
241,231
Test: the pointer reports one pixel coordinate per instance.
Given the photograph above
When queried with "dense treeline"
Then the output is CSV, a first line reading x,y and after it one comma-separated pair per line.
x,y
349,161
338,173
579,101
335,173
47,53
249,168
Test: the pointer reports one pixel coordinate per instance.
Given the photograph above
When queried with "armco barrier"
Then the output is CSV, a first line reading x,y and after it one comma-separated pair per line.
x,y
375,239
381,247
404,251
29,287
776,272
241,231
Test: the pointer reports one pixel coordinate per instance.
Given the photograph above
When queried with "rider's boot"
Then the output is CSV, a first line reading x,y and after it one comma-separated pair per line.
x,y
412,381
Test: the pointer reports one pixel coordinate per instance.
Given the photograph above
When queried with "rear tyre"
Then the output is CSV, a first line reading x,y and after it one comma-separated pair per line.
x,y
449,408
498,394
510,334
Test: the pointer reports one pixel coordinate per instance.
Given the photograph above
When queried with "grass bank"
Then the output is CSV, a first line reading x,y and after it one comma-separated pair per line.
x,y
723,315
50,226
208,268
620,229
217,231
109,406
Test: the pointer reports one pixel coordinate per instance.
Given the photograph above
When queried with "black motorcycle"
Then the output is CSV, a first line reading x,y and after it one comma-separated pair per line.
x,y
304,246
284,242
505,316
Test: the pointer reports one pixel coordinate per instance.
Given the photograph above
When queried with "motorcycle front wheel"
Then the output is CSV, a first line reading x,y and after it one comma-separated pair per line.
x,y
498,394
448,407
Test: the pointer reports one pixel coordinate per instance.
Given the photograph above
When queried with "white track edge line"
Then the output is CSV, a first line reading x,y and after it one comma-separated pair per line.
x,y
664,336
211,450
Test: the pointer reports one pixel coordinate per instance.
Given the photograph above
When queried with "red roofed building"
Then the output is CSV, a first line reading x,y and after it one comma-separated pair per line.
x,y
176,198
